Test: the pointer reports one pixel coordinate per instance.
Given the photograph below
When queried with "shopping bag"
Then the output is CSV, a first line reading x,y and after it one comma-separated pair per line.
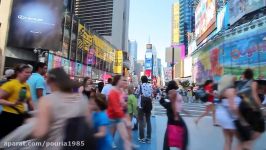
x,y
175,136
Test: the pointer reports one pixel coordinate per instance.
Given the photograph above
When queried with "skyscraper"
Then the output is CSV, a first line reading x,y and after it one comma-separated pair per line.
x,y
109,18
175,23
133,53
97,15
186,20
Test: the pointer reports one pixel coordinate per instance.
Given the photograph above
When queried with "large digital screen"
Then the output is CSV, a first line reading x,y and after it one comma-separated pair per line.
x,y
205,17
238,8
222,18
36,24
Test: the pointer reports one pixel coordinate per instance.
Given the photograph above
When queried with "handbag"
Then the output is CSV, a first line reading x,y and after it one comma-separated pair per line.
x,y
175,136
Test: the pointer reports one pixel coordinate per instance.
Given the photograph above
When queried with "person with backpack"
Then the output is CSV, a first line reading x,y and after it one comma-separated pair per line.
x,y
208,88
62,115
250,109
176,134
144,109
13,95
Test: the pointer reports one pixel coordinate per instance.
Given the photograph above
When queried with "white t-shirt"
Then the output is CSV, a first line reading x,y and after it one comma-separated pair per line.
x,y
106,89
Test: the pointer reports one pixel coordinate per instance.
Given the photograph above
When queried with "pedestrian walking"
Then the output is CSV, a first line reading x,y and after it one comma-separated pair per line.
x,y
208,88
249,111
9,74
107,87
101,123
227,109
87,87
57,109
132,105
100,87
176,134
116,110
144,109
37,82
13,95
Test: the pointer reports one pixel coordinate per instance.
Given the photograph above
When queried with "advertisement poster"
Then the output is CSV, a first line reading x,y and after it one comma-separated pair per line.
x,y
118,65
66,65
148,61
72,68
222,19
78,69
57,61
232,55
205,17
66,37
167,74
73,46
36,24
89,71
238,8
91,57
84,70
50,61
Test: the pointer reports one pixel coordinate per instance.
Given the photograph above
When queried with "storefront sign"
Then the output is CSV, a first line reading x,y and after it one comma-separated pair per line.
x,y
118,65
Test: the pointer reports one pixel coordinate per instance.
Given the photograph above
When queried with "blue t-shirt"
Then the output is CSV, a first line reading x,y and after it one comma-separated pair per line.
x,y
36,81
101,119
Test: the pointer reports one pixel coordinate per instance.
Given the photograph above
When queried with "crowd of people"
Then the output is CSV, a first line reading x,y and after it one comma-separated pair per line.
x,y
50,107
41,106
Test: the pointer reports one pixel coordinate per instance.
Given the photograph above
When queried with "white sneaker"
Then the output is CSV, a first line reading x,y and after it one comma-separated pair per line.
x,y
114,146
135,146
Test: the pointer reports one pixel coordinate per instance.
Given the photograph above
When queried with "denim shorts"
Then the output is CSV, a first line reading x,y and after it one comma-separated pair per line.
x,y
115,121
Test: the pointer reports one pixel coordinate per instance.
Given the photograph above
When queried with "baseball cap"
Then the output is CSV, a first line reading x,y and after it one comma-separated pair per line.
x,y
9,73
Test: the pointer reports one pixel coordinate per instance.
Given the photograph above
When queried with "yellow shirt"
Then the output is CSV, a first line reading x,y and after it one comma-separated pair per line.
x,y
13,88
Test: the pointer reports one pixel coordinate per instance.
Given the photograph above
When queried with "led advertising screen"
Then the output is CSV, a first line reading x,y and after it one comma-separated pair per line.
x,y
148,61
205,17
238,8
36,24
222,18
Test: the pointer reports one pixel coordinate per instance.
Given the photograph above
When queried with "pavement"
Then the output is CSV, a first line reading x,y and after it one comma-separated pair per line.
x,y
203,136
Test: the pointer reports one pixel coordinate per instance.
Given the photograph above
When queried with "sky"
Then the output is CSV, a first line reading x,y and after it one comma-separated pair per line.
x,y
151,19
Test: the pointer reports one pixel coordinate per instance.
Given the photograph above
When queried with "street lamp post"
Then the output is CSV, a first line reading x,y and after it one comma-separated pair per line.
x,y
173,63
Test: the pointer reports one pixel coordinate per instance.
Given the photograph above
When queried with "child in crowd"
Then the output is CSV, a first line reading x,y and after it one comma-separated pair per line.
x,y
98,105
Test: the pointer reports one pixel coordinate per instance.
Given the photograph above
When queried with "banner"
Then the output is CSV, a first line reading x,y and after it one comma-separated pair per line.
x,y
57,61
78,69
81,31
66,65
167,74
50,61
72,68
205,17
238,8
84,70
89,71
118,65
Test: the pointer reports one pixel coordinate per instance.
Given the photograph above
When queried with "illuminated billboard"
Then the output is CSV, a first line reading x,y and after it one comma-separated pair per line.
x,y
175,24
238,8
148,61
205,18
36,24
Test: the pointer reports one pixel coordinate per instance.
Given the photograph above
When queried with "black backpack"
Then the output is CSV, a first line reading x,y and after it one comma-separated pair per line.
x,y
202,95
146,102
79,134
